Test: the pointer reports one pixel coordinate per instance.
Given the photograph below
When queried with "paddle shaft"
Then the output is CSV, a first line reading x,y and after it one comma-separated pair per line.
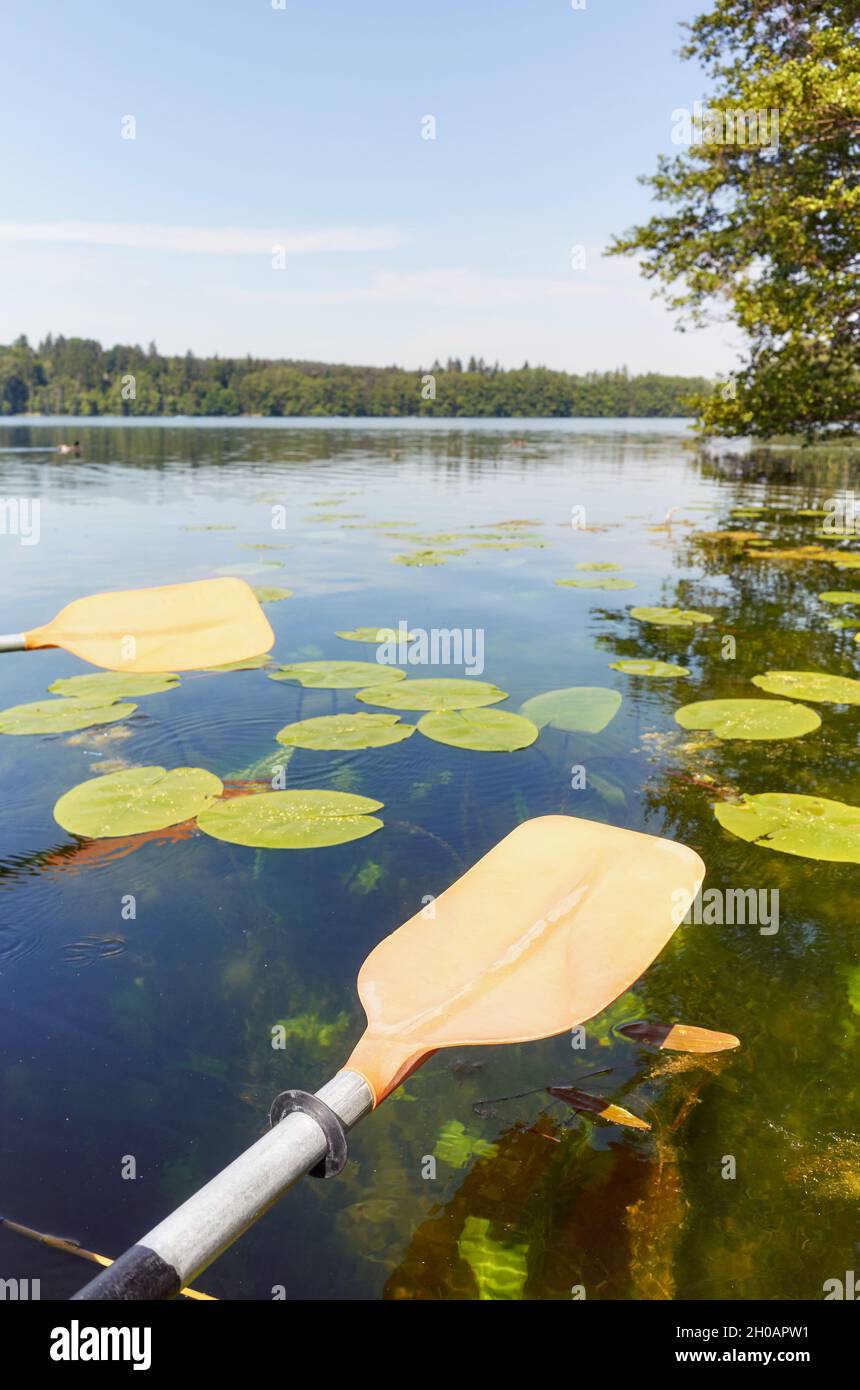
x,y
13,642
173,1253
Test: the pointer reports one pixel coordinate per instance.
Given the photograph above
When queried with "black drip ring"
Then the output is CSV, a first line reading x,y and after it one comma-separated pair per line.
x,y
329,1122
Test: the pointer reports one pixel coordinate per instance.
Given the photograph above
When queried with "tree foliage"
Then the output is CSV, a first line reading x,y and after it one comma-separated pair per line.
x,y
76,376
770,233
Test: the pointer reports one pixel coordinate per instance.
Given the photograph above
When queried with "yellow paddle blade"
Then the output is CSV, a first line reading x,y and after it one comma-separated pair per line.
x,y
551,926
180,627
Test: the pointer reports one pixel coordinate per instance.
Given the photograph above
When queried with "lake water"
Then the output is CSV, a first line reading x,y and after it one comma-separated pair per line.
x,y
151,1037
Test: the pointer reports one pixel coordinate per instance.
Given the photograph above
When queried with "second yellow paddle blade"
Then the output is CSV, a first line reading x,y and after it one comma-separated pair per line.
x,y
179,627
551,926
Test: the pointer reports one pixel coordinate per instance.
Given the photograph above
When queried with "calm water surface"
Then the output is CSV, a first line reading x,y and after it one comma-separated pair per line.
x,y
152,1037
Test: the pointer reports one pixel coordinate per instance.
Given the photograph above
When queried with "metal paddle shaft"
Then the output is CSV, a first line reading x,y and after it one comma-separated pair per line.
x,y
177,1250
13,642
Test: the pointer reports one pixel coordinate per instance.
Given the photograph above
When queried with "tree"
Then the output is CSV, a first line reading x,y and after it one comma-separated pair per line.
x,y
769,228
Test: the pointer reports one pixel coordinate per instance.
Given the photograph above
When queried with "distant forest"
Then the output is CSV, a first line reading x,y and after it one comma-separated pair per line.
x,y
77,376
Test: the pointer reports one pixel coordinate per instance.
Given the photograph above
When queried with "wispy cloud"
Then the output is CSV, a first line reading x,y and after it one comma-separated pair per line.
x,y
218,241
463,287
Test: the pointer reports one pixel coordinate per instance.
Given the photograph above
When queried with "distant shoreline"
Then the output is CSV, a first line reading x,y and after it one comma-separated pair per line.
x,y
78,377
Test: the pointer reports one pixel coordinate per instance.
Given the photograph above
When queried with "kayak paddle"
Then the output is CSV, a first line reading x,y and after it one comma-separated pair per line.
x,y
542,934
178,627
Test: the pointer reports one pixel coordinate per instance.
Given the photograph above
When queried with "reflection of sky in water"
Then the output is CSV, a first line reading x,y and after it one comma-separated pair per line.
x,y
152,1037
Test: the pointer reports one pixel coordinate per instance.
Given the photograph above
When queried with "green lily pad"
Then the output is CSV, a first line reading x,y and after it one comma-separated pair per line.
x,y
611,582
264,595
817,686
374,634
840,596
346,731
254,567
337,675
749,719
597,565
581,709
250,663
634,667
61,716
520,544
105,686
671,617
808,826
445,693
845,560
485,730
422,558
842,624
135,800
292,819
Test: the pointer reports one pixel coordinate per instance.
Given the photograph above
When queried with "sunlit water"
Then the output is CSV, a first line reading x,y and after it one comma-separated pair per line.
x,y
151,1037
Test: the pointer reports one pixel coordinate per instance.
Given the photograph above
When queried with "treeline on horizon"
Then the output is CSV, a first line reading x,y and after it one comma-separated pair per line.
x,y
77,376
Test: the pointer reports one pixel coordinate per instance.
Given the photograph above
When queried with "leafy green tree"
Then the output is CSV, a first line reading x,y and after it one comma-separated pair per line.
x,y
769,228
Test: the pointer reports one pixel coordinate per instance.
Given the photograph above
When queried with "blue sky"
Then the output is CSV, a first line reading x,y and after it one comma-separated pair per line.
x,y
301,128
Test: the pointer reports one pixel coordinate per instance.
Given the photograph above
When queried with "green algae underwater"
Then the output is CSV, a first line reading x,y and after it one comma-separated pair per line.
x,y
145,979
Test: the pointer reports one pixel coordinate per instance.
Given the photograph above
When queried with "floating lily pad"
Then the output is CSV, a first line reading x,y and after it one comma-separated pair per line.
x,y
611,582
585,709
665,670
443,693
264,595
250,663
749,719
810,685
520,544
597,565
337,675
292,819
841,596
136,800
845,560
842,624
105,686
422,558
808,826
485,730
346,731
254,567
374,634
61,716
671,617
